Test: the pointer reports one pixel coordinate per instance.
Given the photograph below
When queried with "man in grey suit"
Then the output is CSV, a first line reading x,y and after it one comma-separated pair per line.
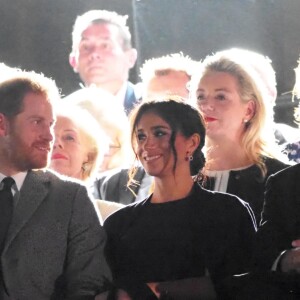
x,y
53,248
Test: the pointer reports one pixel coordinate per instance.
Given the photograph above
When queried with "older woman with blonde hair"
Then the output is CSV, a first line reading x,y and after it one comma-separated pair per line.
x,y
79,148
241,150
79,144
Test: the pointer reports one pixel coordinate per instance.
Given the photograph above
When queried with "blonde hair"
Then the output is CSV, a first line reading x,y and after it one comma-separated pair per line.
x,y
89,128
261,65
166,65
111,118
257,140
160,66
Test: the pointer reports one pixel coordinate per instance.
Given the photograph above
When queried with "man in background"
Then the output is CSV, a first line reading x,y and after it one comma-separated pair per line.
x,y
167,75
102,54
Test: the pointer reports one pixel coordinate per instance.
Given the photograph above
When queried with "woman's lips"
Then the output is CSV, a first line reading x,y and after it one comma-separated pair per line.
x,y
151,157
209,119
58,156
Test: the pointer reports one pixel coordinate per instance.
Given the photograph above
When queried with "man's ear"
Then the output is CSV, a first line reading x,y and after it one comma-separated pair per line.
x,y
132,56
73,61
3,125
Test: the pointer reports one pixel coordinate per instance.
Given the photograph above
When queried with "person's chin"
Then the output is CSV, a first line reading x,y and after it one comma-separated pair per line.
x,y
96,79
39,165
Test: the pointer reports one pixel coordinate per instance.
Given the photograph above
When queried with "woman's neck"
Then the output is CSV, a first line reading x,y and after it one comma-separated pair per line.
x,y
225,156
171,188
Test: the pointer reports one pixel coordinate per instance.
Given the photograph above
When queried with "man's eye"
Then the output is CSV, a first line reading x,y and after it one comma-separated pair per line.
x,y
106,45
36,122
85,47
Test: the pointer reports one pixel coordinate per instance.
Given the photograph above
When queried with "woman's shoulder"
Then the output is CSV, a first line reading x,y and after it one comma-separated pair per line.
x,y
219,198
125,214
224,204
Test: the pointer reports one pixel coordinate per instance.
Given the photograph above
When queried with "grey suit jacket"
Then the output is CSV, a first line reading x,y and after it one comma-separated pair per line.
x,y
54,247
111,186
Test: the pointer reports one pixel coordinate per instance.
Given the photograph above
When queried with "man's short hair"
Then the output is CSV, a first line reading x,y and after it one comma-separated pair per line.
x,y
14,89
101,17
163,65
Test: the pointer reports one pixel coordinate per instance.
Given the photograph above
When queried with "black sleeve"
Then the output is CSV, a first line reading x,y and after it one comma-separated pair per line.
x,y
273,235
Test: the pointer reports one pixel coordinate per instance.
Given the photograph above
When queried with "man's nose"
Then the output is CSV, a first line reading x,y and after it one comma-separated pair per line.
x,y
95,54
48,133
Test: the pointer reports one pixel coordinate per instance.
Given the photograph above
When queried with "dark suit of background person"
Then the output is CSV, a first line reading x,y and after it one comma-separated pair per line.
x,y
112,186
132,97
280,225
53,247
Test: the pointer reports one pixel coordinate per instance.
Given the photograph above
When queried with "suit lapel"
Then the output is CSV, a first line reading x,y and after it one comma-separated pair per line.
x,y
34,190
295,190
125,194
131,97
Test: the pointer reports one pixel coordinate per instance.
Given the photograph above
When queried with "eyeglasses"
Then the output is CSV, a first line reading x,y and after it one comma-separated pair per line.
x,y
114,146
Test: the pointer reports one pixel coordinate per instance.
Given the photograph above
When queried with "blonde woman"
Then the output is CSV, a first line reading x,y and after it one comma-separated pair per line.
x,y
79,148
241,150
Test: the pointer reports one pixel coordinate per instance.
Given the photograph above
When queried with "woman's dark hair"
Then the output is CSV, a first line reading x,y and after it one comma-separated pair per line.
x,y
181,117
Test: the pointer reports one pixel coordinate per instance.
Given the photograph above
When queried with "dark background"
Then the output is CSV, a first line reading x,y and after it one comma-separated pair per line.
x,y
36,34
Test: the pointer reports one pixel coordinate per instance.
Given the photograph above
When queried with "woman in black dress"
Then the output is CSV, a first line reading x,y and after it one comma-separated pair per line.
x,y
182,241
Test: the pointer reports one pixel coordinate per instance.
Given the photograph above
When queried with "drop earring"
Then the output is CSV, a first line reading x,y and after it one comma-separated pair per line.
x,y
85,167
188,157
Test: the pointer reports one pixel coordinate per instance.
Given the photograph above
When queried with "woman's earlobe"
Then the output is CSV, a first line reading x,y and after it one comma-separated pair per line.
x,y
251,109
